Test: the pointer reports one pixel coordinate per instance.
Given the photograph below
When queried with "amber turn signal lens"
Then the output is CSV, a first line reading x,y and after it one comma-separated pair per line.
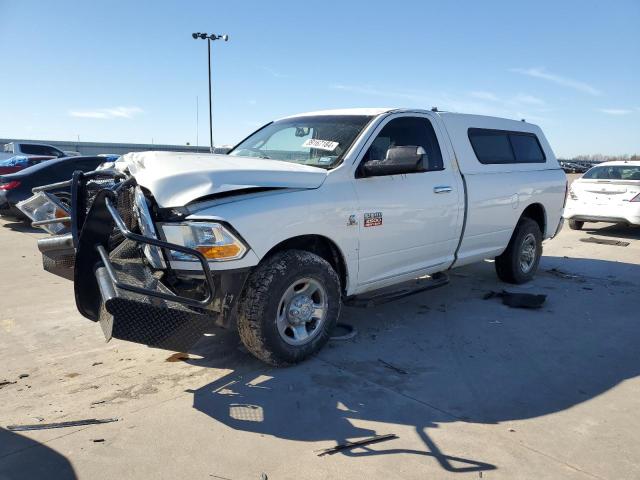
x,y
218,251
59,213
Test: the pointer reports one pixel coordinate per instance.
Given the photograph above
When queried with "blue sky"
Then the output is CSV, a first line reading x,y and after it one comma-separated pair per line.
x,y
129,71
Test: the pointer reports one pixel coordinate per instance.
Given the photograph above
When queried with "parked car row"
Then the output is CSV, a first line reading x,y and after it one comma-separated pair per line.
x,y
28,149
19,162
16,187
573,167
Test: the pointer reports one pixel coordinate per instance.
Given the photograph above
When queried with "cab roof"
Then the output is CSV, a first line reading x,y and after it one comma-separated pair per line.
x,y
450,116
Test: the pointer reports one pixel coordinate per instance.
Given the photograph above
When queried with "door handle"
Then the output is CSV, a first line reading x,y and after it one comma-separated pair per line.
x,y
442,189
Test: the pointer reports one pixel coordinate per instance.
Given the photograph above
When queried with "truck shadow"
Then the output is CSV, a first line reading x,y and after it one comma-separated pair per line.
x,y
20,226
459,358
615,230
21,457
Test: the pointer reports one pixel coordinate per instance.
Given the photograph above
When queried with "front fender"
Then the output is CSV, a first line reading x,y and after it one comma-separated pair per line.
x,y
266,222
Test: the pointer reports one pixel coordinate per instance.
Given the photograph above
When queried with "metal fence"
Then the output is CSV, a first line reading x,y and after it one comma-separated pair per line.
x,y
96,148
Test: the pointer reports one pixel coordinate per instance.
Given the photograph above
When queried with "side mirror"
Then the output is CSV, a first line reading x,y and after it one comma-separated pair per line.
x,y
406,159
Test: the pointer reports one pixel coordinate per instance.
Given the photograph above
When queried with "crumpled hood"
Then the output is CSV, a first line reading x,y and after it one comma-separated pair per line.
x,y
175,179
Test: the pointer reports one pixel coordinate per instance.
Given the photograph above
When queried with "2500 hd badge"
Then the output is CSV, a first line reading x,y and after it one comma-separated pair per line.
x,y
373,219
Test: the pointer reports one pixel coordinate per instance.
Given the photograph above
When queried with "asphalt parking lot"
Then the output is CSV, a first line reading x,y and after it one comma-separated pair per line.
x,y
480,390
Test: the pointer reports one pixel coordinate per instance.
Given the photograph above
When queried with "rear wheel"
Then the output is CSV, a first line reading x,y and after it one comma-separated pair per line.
x,y
576,224
289,306
519,262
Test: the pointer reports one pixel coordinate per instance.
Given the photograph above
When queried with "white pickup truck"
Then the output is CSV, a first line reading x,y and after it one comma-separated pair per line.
x,y
29,149
353,206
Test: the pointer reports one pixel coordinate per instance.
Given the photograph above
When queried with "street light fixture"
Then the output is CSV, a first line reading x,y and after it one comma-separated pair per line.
x,y
209,38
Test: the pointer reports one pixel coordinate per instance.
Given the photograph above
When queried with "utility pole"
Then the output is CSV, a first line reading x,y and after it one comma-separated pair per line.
x,y
209,38
197,122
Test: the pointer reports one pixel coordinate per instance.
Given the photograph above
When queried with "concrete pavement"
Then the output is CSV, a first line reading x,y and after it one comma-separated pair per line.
x,y
489,391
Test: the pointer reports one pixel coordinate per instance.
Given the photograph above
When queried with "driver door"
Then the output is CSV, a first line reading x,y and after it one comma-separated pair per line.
x,y
409,224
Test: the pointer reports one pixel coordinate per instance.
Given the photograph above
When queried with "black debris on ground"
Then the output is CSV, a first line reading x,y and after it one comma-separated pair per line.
x,y
556,272
74,423
518,300
356,443
393,367
605,241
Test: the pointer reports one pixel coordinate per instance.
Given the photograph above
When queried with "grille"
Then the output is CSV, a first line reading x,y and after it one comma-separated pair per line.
x,y
147,320
124,205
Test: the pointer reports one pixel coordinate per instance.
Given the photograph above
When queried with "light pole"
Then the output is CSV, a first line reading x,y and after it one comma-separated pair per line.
x,y
208,38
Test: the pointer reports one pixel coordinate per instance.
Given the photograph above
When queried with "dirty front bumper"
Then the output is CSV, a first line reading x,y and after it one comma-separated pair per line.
x,y
117,288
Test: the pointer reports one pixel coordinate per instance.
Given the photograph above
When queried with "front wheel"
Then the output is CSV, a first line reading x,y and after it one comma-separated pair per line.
x,y
289,306
519,262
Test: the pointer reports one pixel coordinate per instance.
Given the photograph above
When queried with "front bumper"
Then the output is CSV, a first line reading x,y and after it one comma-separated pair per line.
x,y
115,286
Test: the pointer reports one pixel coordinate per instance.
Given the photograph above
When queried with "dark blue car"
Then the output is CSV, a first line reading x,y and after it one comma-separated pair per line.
x,y
16,187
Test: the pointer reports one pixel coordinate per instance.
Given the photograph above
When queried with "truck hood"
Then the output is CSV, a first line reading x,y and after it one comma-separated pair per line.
x,y
176,179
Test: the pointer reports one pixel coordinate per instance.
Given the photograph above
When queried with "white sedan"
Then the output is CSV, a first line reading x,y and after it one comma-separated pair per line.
x,y
609,192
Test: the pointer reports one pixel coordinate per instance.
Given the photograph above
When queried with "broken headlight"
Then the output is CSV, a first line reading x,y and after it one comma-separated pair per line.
x,y
145,222
43,207
213,240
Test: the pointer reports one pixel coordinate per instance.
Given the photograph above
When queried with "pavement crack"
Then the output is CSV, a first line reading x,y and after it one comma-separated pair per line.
x,y
557,460
408,397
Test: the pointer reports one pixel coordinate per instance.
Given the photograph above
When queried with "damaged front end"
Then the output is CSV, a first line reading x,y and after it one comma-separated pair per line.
x,y
122,278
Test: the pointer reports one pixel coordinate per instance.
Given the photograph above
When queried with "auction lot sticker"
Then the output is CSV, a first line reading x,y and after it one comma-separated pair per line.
x,y
327,145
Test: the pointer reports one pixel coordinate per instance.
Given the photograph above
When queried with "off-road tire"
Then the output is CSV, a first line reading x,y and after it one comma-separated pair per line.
x,y
576,224
508,264
258,305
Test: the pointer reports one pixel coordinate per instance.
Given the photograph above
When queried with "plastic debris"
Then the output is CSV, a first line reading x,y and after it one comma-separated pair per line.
x,y
75,423
393,367
605,241
357,443
518,300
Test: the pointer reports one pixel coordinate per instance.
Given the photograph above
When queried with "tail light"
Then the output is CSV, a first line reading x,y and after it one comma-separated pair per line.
x,y
9,186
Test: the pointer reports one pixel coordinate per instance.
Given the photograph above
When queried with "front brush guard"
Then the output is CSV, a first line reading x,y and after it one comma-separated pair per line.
x,y
122,293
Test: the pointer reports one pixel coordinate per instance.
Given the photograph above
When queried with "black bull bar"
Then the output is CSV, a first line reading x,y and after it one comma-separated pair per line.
x,y
118,290
114,286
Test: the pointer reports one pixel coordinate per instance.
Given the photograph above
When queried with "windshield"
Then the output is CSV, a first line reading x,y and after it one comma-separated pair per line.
x,y
614,172
318,140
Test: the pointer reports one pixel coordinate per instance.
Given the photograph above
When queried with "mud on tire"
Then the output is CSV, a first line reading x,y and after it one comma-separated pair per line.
x,y
260,302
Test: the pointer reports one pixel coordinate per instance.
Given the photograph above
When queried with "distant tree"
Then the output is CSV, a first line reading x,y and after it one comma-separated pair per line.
x,y
599,157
